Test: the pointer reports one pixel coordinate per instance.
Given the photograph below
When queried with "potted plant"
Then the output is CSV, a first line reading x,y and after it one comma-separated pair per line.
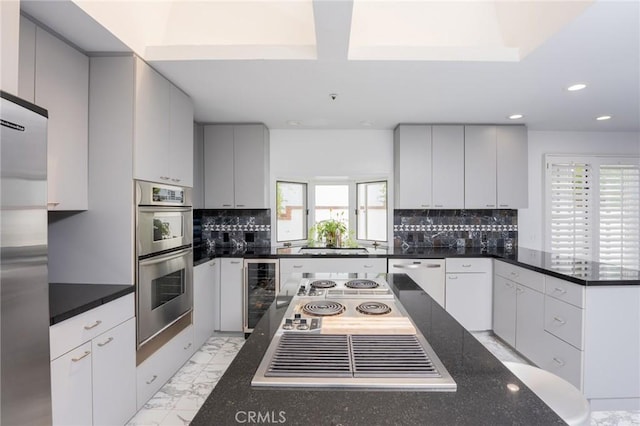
x,y
331,230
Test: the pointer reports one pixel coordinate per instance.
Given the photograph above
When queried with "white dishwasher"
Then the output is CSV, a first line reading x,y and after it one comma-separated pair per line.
x,y
427,273
469,292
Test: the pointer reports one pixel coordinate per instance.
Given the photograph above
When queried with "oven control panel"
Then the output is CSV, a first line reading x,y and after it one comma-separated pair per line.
x,y
297,323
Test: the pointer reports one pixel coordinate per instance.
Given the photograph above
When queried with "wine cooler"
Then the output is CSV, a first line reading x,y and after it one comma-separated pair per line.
x,y
261,284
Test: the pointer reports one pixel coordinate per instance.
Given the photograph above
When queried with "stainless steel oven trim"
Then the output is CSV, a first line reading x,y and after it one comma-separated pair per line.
x,y
245,293
147,327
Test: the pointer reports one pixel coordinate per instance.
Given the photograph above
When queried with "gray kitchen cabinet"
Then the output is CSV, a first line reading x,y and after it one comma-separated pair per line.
x,y
480,167
231,281
206,300
469,292
412,167
504,309
55,76
163,130
530,336
511,167
236,172
448,167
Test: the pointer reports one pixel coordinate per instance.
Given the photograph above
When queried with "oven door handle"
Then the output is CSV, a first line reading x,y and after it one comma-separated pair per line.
x,y
164,257
164,209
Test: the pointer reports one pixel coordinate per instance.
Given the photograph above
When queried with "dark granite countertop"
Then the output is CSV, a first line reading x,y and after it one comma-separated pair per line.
x,y
579,271
482,396
69,300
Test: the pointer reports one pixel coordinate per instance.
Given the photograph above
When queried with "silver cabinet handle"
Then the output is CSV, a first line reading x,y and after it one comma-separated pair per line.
x,y
453,277
560,320
515,274
86,354
212,264
468,265
504,205
559,361
109,340
176,180
490,205
153,379
368,266
239,205
416,265
164,177
235,262
53,204
226,205
560,290
519,290
94,325
297,266
188,346
425,205
509,285
439,205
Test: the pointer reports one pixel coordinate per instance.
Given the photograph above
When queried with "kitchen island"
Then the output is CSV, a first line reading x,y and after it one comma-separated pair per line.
x,y
482,396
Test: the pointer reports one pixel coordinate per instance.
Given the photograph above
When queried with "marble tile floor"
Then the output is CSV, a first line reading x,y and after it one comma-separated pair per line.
x,y
177,402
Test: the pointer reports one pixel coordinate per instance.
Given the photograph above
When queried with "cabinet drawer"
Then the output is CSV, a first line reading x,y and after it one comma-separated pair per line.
x,y
531,279
562,359
564,321
460,265
565,290
154,372
75,331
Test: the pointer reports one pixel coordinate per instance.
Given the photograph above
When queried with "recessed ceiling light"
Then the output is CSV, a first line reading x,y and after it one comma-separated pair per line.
x,y
603,117
293,123
576,87
515,116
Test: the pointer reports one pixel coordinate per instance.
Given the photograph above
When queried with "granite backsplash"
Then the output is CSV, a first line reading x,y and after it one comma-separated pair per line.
x,y
231,228
455,228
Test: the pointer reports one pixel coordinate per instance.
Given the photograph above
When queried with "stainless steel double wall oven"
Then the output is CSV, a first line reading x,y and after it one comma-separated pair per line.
x,y
164,234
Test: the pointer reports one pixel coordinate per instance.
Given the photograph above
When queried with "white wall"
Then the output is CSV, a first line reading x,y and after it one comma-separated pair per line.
x,y
531,220
9,45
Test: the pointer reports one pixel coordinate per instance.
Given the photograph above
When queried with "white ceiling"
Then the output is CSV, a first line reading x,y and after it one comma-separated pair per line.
x,y
599,47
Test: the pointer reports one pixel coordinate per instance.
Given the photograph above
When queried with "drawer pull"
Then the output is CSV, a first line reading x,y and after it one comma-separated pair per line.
x,y
188,346
94,325
368,266
153,379
453,277
515,274
176,180
212,264
519,290
490,205
109,340
416,265
235,262
86,354
164,177
297,266
467,265
560,320
560,290
239,205
424,205
504,205
558,361
509,285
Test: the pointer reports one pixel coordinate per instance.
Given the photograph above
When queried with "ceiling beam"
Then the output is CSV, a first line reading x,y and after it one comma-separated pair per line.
x,y
333,28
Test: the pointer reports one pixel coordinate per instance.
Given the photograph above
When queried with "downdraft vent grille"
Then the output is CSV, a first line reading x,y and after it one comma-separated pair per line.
x,y
334,355
390,356
311,355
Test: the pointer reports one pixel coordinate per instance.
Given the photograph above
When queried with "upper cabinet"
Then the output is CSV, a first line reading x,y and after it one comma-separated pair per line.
x,y
429,167
496,164
456,167
244,182
163,129
55,76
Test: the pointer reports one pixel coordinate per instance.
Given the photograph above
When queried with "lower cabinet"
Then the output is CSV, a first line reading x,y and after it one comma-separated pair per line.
x,y
94,382
290,266
231,279
206,300
468,292
504,309
156,370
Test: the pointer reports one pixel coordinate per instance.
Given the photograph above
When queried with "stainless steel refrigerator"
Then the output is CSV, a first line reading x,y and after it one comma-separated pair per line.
x,y
25,387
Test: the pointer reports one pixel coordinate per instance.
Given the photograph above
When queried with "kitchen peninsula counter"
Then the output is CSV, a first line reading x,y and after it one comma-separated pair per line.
x,y
482,396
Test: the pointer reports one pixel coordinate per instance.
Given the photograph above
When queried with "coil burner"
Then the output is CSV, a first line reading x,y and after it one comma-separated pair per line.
x,y
361,284
323,308
322,284
373,308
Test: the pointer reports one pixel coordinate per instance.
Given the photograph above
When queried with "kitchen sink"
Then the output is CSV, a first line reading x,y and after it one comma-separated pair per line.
x,y
328,250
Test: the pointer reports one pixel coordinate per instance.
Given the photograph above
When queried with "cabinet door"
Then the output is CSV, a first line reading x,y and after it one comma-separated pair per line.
x,y
231,281
479,167
114,375
512,166
250,166
206,305
151,125
218,167
27,60
448,167
181,139
412,167
71,399
469,300
530,323
62,87
504,309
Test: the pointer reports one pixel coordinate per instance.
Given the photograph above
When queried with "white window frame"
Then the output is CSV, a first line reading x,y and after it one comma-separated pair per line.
x,y
595,161
275,220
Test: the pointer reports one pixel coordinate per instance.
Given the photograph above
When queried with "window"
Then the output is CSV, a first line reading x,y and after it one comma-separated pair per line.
x,y
593,209
291,211
331,202
371,216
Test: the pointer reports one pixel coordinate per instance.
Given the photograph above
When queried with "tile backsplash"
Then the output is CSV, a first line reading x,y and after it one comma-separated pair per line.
x,y
455,228
231,228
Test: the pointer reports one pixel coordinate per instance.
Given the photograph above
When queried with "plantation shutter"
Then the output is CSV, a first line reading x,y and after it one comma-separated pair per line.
x,y
569,200
619,211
